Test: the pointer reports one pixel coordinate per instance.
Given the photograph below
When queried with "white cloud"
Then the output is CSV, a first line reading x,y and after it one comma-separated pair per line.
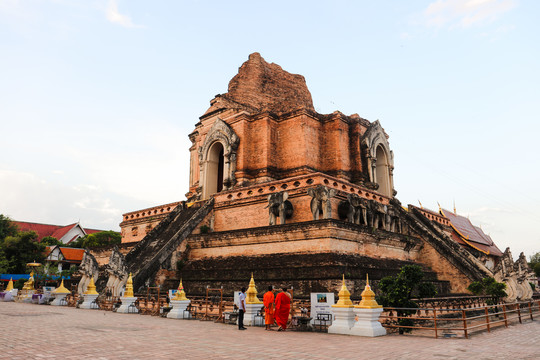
x,y
465,13
114,16
25,196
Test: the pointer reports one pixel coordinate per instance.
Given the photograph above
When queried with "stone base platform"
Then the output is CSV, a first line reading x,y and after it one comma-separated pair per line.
x,y
306,273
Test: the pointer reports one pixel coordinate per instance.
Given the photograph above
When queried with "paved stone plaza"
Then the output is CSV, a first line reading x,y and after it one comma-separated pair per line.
x,y
47,332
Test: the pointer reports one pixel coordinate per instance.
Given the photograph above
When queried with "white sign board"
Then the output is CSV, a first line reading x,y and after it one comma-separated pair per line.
x,y
321,303
236,298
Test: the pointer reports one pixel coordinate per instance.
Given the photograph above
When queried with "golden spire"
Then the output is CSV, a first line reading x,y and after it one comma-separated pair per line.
x,y
91,289
368,298
421,207
251,293
10,285
129,287
61,289
344,296
455,213
180,294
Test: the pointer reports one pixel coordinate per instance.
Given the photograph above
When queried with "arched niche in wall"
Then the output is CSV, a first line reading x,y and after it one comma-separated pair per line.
x,y
380,159
217,159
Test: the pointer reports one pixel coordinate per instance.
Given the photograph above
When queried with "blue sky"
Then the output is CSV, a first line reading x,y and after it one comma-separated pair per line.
x,y
97,98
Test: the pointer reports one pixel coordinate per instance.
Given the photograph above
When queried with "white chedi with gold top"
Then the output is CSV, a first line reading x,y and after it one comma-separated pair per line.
x,y
179,305
10,292
367,314
253,304
129,299
90,296
60,294
343,312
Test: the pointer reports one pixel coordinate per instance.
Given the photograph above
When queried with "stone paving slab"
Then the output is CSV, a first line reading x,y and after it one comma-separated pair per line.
x,y
49,332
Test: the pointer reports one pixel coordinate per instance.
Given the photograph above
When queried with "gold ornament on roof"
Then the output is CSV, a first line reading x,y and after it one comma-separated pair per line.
x,y
344,296
91,289
61,289
180,294
10,285
251,293
129,287
368,298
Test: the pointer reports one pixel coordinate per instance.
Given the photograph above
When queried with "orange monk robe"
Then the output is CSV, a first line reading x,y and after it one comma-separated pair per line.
x,y
283,308
268,301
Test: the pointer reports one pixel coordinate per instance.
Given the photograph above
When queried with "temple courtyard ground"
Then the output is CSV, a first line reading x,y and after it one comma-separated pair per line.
x,y
50,332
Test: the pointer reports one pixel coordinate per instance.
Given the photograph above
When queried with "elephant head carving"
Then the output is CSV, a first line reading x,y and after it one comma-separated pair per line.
x,y
279,206
320,201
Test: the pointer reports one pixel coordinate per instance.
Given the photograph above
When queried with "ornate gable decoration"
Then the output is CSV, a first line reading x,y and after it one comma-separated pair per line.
x,y
223,133
375,136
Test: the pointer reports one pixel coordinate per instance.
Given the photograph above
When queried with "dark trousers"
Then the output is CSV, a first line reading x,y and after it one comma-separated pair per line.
x,y
240,319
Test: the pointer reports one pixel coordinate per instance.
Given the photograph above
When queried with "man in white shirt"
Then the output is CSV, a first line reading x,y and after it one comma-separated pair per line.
x,y
241,308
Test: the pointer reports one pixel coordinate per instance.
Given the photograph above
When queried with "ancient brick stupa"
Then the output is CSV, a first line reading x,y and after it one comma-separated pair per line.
x,y
295,196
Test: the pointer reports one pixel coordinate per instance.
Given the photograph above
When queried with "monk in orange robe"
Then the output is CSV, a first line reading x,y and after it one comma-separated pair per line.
x,y
283,308
268,301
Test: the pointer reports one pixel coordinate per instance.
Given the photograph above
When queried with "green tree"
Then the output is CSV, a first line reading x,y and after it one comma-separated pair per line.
x,y
99,239
536,269
534,259
490,287
7,227
21,249
397,291
51,241
78,243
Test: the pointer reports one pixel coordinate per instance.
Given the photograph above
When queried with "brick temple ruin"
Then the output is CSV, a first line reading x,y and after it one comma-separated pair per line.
x,y
296,197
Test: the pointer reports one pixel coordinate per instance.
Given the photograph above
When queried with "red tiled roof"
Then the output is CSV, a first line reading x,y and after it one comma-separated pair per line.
x,y
72,254
92,231
472,234
58,234
44,230
41,229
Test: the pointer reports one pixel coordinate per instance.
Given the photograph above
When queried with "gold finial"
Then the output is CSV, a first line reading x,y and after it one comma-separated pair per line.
x,y
344,296
180,294
421,207
368,298
61,289
129,287
10,285
251,293
91,289
455,213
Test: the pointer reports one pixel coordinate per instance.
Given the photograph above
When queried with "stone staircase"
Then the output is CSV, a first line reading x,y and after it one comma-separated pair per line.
x,y
155,249
452,251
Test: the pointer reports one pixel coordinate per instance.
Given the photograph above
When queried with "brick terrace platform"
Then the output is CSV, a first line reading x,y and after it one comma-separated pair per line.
x,y
51,332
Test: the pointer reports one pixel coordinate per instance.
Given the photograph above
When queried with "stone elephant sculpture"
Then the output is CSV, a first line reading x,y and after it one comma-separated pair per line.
x,y
378,214
320,201
279,206
354,209
393,222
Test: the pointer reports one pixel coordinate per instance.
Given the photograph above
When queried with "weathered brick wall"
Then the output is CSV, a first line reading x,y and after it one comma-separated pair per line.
x,y
103,254
307,237
444,269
